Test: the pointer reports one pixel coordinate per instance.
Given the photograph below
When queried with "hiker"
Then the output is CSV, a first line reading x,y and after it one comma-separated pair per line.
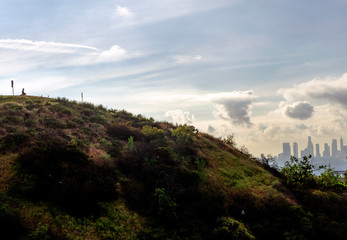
x,y
23,93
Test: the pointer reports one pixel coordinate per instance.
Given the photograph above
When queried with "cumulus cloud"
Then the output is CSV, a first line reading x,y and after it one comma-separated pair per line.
x,y
114,53
299,110
234,106
180,117
123,12
333,90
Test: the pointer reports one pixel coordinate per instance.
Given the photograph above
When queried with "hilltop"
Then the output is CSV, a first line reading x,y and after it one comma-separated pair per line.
x,y
73,170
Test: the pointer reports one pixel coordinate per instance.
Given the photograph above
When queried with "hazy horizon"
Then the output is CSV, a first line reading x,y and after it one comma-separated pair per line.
x,y
266,71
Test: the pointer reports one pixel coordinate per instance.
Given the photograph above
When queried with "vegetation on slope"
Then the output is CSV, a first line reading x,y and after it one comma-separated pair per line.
x,y
77,171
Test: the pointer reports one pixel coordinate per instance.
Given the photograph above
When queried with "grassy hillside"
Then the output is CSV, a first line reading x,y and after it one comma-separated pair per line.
x,y
73,170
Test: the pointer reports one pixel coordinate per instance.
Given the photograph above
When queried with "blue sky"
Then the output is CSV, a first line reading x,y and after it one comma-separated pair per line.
x,y
267,71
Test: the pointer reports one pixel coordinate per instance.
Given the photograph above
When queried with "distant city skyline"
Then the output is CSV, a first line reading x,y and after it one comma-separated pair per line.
x,y
334,151
335,154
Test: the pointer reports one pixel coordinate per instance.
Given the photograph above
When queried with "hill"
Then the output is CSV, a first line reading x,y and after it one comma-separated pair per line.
x,y
73,170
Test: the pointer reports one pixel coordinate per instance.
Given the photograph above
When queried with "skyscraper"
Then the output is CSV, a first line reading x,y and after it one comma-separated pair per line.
x,y
286,150
317,151
295,150
326,152
309,149
334,151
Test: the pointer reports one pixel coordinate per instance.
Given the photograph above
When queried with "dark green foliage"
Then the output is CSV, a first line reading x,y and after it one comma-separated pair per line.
x,y
328,179
166,205
12,120
229,228
299,173
97,119
53,123
87,112
14,142
60,110
64,176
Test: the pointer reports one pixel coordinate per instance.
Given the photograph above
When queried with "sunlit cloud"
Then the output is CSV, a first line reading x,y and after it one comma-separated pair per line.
x,y
180,117
332,90
123,12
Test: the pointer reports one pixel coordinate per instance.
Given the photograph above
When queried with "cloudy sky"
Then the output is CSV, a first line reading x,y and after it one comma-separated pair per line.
x,y
267,71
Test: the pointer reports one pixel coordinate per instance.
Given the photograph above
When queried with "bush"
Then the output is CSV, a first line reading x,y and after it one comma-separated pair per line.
x,y
151,133
299,173
15,141
53,123
229,228
183,134
329,180
166,205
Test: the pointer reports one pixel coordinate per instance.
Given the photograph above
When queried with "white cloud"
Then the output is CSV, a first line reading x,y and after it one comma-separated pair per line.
x,y
333,90
299,110
123,12
180,117
113,54
42,46
234,106
41,54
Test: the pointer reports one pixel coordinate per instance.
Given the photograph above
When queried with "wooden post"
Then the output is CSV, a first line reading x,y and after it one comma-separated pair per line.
x,y
12,87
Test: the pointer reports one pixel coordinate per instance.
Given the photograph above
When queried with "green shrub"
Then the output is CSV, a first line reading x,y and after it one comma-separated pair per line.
x,y
53,123
329,180
87,112
299,173
12,120
183,134
97,119
229,228
166,205
15,141
151,133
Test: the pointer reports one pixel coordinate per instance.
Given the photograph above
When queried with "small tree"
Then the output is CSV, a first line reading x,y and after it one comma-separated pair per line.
x,y
230,140
299,173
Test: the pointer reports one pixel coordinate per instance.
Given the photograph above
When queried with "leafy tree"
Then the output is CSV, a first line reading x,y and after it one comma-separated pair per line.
x,y
299,173
230,140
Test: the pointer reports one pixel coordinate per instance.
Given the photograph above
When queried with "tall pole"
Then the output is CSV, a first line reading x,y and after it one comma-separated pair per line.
x,y
12,87
82,96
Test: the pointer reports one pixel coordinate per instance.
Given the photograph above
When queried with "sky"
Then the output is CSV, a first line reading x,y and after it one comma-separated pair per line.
x,y
267,71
